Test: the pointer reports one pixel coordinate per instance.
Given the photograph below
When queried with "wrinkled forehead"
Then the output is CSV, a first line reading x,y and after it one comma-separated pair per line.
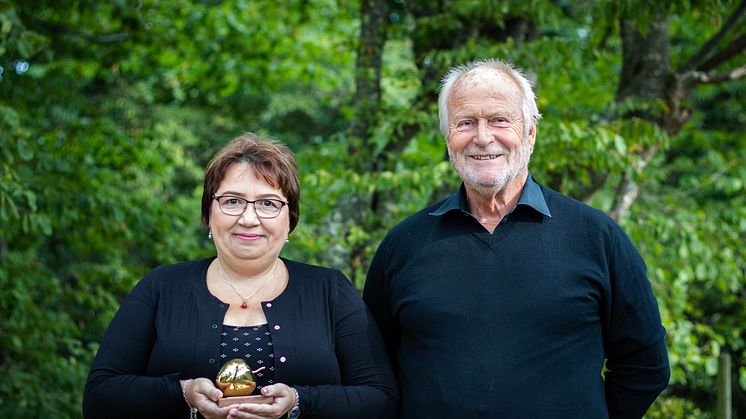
x,y
485,83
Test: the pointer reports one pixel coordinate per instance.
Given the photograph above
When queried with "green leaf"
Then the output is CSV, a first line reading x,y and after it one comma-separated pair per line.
x,y
25,152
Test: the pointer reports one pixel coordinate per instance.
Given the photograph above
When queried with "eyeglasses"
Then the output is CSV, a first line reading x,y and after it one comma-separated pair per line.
x,y
264,208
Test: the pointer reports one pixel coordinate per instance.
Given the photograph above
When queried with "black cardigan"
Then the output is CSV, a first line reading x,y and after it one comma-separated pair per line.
x,y
168,328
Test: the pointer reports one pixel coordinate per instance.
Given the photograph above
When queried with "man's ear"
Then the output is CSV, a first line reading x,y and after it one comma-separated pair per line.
x,y
532,134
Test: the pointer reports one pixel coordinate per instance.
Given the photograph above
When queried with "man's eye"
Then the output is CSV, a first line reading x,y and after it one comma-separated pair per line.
x,y
465,124
499,122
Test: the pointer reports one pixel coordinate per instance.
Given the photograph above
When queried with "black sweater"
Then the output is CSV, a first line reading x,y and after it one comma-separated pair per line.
x,y
168,328
516,324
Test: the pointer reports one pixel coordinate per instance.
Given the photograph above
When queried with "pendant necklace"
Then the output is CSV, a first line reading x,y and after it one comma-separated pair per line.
x,y
244,300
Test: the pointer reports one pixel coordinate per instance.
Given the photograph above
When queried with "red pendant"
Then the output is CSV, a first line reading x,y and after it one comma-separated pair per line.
x,y
244,305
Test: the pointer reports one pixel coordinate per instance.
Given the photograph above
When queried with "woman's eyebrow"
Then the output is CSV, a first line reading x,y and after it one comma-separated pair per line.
x,y
258,196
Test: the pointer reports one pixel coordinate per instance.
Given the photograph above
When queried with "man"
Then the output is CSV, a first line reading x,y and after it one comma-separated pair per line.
x,y
505,299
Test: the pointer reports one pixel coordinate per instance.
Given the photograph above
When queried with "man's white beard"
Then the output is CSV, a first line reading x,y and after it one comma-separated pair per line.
x,y
510,171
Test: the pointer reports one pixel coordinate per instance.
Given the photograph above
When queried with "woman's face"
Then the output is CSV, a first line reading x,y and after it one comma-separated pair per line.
x,y
246,237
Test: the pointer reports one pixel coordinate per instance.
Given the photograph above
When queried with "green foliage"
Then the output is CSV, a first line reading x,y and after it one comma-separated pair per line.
x,y
332,191
79,217
691,226
104,136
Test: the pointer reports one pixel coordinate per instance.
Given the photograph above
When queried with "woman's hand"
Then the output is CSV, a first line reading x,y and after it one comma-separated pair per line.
x,y
202,394
283,402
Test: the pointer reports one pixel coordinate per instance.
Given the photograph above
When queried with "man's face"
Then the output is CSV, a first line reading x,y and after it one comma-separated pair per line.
x,y
487,145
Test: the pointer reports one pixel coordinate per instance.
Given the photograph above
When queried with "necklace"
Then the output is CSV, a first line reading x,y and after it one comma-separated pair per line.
x,y
244,300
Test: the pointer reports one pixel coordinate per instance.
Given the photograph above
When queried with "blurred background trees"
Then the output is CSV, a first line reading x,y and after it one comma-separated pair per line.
x,y
109,112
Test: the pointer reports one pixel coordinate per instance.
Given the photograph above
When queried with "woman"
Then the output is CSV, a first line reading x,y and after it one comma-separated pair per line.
x,y
321,351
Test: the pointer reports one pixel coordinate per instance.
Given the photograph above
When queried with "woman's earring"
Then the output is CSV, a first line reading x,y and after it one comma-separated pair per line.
x,y
209,234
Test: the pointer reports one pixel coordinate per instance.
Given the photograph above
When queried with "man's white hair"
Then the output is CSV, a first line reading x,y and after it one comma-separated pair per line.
x,y
529,110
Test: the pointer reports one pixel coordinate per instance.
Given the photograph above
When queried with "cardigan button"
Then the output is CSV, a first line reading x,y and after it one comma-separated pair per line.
x,y
269,304
214,326
277,327
211,360
283,359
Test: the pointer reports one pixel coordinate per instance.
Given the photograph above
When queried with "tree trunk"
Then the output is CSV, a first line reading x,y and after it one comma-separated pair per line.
x,y
373,16
646,69
368,81
646,77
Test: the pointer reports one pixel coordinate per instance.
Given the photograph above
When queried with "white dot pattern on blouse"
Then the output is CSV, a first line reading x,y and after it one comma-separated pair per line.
x,y
254,345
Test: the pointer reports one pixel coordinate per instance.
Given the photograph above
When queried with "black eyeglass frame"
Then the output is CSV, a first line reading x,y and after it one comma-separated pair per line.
x,y
253,203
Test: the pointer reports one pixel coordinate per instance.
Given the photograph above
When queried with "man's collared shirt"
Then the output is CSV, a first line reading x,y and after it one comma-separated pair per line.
x,y
531,196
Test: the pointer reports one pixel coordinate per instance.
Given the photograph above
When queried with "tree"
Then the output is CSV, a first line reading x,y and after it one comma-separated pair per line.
x,y
628,139
647,76
109,110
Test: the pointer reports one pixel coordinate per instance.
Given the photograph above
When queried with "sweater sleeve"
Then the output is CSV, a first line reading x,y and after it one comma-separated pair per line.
x,y
637,360
117,385
368,387
375,295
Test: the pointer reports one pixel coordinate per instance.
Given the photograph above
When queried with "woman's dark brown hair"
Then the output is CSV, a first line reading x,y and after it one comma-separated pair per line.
x,y
269,159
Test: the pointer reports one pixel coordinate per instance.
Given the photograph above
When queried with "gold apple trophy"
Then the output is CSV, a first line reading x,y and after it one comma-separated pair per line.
x,y
236,381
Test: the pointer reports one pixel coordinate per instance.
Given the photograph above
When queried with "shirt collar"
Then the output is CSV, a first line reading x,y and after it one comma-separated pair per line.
x,y
531,196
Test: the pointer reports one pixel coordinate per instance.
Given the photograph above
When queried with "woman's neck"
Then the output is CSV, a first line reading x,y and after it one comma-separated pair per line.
x,y
242,271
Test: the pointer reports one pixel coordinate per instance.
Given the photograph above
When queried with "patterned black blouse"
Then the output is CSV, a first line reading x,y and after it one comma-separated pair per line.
x,y
253,344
